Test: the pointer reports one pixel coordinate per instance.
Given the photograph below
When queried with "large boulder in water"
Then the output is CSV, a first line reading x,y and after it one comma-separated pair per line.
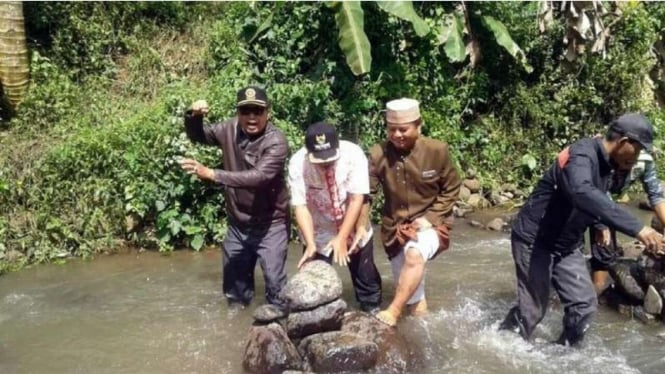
x,y
269,350
394,353
338,351
324,318
317,283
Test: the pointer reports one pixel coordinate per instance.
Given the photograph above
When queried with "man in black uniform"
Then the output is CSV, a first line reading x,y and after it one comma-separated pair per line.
x,y
547,235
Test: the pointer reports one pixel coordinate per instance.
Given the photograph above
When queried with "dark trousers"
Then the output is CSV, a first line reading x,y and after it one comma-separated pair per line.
x,y
537,269
242,248
364,274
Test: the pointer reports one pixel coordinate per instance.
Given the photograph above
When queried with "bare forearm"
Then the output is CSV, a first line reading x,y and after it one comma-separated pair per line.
x,y
305,224
363,217
351,217
659,209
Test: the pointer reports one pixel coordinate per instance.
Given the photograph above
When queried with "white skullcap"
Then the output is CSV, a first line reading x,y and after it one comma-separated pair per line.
x,y
402,111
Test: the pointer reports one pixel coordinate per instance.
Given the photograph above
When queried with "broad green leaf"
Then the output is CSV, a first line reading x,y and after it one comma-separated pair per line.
x,y
352,38
451,36
175,227
529,161
504,39
197,242
191,230
405,11
265,25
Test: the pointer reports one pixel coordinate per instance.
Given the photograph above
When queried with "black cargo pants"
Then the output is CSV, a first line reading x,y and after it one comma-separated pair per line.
x,y
537,270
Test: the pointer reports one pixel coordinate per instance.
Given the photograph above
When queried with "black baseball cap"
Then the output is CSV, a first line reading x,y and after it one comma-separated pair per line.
x,y
252,95
322,143
636,127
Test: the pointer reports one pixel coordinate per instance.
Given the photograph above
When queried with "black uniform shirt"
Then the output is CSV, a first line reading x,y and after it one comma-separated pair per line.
x,y
571,196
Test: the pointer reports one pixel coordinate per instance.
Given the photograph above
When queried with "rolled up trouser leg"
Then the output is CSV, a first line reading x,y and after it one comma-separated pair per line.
x,y
533,266
571,280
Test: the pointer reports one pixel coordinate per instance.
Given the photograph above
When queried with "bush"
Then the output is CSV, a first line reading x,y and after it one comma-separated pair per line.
x,y
89,160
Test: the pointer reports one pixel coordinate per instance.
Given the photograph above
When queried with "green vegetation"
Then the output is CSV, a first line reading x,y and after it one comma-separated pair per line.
x,y
87,164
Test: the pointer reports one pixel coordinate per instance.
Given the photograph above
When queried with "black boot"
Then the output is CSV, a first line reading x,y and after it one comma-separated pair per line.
x,y
513,322
573,334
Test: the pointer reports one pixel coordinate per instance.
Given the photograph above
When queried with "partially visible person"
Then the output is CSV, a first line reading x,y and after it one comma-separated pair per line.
x,y
547,235
254,155
604,248
420,184
328,178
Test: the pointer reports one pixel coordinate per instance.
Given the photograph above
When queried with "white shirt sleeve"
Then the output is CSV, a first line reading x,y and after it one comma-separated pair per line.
x,y
359,181
296,179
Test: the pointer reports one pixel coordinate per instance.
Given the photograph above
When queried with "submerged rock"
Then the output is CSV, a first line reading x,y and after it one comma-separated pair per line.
x,y
394,355
269,350
496,224
317,283
338,351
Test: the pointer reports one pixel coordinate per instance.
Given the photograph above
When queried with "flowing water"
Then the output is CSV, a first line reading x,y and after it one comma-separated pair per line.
x,y
150,313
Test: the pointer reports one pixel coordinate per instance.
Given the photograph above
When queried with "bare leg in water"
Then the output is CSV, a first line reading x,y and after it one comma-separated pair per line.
x,y
410,277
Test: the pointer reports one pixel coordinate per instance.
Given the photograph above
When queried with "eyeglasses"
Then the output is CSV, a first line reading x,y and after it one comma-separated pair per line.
x,y
247,110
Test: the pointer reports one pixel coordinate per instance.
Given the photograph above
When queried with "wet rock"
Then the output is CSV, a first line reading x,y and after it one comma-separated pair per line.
x,y
464,193
477,201
653,303
338,351
471,174
472,184
324,318
268,313
497,199
509,218
394,353
475,223
641,315
518,193
269,350
496,224
317,283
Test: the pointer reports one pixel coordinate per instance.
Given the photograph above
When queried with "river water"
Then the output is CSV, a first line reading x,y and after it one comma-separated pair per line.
x,y
151,313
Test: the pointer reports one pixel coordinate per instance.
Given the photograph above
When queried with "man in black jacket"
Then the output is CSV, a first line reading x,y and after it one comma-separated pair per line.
x,y
547,234
254,153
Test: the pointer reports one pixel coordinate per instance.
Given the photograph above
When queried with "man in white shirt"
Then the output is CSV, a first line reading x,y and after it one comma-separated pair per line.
x,y
329,183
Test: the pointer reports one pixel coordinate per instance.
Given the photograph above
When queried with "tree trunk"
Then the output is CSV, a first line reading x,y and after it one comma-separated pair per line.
x,y
14,67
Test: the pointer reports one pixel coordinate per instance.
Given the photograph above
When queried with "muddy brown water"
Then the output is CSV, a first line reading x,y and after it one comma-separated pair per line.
x,y
151,313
